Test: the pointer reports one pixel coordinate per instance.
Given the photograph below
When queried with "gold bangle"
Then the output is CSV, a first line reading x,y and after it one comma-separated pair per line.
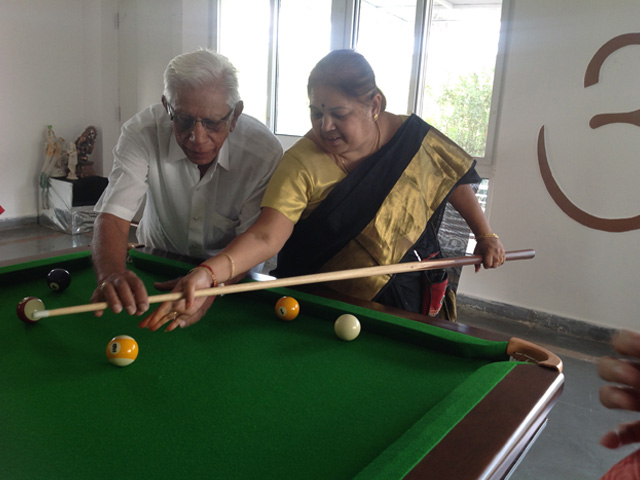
x,y
209,270
233,265
486,235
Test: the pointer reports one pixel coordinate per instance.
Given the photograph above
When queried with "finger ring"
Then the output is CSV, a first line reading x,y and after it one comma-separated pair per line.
x,y
102,285
172,315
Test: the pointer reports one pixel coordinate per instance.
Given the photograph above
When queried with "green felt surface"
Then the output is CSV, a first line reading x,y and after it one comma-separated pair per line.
x,y
241,393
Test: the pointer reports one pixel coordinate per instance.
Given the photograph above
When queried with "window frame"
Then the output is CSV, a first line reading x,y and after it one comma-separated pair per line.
x,y
344,21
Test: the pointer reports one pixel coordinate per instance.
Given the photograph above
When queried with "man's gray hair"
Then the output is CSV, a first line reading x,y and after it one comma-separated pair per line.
x,y
200,68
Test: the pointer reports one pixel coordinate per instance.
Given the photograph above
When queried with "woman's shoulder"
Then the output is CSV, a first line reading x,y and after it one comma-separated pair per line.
x,y
306,160
303,147
306,153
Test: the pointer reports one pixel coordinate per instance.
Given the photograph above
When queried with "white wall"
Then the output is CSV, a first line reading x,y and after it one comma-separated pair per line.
x,y
149,37
56,70
151,33
60,66
578,272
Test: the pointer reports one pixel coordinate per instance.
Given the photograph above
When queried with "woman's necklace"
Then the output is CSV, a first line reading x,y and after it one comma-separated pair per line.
x,y
340,161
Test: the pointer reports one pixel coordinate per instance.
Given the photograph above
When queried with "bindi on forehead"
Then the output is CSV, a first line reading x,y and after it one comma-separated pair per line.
x,y
329,108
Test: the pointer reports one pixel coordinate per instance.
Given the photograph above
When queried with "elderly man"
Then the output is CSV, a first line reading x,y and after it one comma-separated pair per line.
x,y
200,163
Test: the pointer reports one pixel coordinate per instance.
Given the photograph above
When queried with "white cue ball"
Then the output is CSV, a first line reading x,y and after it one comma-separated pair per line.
x,y
347,327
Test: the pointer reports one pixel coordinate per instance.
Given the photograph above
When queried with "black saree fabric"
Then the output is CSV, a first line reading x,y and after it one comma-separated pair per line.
x,y
351,205
407,290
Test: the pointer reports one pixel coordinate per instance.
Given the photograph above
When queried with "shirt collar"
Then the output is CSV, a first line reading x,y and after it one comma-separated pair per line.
x,y
223,155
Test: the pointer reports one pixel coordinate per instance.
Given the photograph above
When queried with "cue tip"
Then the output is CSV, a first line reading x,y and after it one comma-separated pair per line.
x,y
39,314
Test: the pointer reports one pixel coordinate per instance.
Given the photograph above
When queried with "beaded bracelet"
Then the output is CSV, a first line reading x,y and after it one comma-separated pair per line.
x,y
233,265
209,270
486,235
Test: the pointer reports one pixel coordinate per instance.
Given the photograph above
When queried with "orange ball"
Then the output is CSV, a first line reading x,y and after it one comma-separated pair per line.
x,y
122,350
287,308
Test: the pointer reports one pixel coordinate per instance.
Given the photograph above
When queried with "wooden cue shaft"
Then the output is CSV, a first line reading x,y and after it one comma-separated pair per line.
x,y
300,280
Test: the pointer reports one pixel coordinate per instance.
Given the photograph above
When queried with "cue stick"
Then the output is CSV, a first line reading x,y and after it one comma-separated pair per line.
x,y
299,280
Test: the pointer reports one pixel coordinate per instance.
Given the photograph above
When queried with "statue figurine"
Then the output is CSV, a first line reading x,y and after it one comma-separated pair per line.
x,y
84,147
72,162
54,163
54,157
48,148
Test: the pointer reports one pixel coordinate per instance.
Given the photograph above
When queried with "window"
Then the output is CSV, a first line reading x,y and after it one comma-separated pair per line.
x,y
274,45
304,37
250,55
390,52
435,58
460,71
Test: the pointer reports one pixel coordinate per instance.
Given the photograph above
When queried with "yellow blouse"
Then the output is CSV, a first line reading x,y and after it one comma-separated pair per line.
x,y
307,174
302,181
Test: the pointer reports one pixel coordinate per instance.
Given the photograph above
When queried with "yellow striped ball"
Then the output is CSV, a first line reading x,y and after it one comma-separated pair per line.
x,y
122,350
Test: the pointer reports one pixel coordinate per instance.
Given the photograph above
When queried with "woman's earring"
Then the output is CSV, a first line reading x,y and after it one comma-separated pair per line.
x,y
375,117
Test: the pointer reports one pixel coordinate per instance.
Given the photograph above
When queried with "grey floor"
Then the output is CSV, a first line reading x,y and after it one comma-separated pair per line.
x,y
567,449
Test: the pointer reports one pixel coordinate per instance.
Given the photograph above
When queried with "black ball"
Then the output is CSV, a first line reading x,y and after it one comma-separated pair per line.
x,y
58,279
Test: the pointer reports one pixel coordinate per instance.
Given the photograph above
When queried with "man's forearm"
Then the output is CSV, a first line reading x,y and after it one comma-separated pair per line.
x,y
109,249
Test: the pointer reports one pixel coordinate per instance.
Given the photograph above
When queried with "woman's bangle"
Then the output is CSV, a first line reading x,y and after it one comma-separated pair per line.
x,y
233,265
209,270
486,235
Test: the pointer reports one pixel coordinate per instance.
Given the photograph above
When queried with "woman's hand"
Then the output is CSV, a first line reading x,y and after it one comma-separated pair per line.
x,y
183,312
491,250
624,392
488,245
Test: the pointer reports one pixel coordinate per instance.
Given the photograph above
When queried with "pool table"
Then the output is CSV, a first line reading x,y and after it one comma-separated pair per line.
x,y
244,395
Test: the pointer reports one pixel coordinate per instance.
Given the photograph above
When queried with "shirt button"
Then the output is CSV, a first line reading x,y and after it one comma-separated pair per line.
x,y
196,218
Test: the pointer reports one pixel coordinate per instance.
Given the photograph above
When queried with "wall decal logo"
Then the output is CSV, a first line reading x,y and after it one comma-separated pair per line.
x,y
591,77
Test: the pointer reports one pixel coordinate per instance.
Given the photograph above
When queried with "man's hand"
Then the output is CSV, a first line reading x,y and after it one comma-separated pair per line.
x,y
122,290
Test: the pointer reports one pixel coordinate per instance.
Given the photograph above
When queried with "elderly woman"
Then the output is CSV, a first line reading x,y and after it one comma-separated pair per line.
x,y
363,187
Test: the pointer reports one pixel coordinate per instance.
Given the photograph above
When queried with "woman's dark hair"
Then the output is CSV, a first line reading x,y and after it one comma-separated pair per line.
x,y
349,72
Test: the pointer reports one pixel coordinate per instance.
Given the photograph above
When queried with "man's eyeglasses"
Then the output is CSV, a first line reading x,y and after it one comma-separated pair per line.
x,y
185,123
